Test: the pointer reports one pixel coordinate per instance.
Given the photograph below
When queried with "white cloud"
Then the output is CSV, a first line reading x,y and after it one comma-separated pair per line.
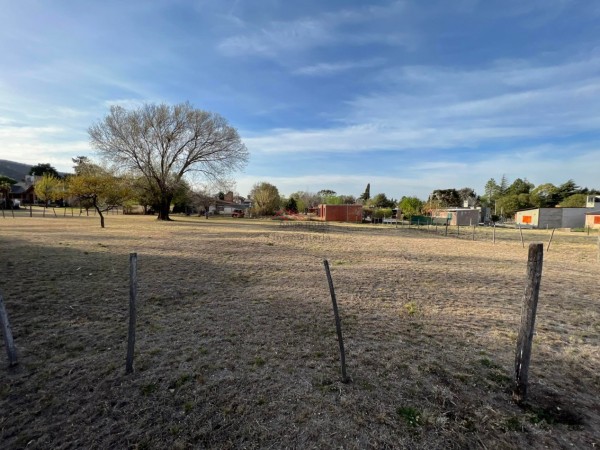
x,y
321,69
276,38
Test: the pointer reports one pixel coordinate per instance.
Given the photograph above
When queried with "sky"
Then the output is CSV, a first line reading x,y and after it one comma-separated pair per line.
x,y
409,96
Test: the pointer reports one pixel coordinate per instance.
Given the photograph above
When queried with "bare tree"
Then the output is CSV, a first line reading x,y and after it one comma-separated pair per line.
x,y
164,143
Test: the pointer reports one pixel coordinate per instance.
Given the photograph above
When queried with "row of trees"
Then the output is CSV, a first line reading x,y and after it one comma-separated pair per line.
x,y
92,186
506,199
266,200
503,198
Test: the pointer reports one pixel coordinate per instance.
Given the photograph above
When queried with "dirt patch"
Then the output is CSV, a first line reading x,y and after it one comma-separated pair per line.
x,y
236,344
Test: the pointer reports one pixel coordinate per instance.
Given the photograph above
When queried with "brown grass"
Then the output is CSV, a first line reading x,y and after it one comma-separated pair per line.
x,y
236,344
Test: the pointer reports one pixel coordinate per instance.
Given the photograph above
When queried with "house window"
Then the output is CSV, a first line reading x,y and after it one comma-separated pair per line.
x,y
527,219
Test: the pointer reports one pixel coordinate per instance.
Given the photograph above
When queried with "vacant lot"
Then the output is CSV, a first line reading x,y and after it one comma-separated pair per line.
x,y
236,344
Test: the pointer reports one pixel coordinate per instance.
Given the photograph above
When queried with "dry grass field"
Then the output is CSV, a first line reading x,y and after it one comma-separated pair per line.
x,y
236,344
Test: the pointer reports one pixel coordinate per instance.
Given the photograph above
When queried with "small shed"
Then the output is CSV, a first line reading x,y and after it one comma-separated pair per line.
x,y
551,217
457,216
592,219
340,213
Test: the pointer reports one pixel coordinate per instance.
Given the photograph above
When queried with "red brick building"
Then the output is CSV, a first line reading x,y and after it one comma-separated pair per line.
x,y
340,213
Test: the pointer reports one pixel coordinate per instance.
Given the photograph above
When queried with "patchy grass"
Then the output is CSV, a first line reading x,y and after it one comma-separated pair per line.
x,y
236,344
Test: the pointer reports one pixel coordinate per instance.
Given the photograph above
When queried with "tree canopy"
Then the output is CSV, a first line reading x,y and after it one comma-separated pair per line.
x,y
381,201
410,206
163,143
98,186
42,169
265,199
49,188
5,187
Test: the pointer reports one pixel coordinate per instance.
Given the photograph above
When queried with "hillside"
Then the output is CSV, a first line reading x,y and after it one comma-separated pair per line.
x,y
14,170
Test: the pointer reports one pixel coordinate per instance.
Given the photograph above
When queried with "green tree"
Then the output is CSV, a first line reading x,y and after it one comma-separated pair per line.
x,y
100,187
520,186
567,189
503,187
42,169
5,188
333,200
509,204
467,193
574,201
446,197
410,206
545,195
367,194
326,193
291,205
492,191
381,201
48,189
381,213
164,143
265,199
347,199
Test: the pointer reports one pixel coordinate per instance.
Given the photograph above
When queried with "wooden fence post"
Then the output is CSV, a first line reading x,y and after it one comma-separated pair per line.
x,y
521,231
338,324
494,233
7,334
132,311
525,338
550,241
473,232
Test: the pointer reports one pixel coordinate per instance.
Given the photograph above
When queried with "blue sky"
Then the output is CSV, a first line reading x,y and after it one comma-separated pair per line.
x,y
409,96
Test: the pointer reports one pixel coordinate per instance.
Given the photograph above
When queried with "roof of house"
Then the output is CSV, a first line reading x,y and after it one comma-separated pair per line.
x,y
456,208
552,207
19,188
593,212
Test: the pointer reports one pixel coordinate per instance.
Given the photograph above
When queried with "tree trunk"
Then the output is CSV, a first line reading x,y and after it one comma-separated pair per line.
x,y
100,214
165,207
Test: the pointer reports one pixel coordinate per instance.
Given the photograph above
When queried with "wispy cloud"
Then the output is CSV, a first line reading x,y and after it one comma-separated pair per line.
x,y
322,69
277,37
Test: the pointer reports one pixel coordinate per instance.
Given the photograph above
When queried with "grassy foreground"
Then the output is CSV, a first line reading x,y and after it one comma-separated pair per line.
x,y
236,344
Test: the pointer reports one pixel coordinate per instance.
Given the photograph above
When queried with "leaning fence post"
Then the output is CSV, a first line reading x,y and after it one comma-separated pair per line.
x,y
7,334
550,241
338,324
521,231
525,338
132,311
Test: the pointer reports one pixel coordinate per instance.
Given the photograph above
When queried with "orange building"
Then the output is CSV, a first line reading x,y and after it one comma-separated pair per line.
x,y
340,213
592,219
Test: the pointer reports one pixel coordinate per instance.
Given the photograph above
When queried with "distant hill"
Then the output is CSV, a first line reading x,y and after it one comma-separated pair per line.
x,y
14,170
